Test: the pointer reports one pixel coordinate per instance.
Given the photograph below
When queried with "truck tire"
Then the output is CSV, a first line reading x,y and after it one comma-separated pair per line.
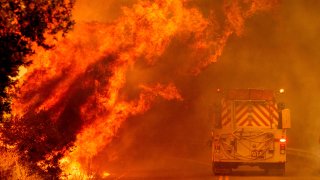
x,y
276,169
281,171
220,170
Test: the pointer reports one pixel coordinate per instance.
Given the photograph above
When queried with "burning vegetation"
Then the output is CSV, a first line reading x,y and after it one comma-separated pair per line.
x,y
71,100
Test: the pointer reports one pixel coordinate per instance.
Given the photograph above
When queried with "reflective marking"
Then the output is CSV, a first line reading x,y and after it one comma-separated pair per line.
x,y
226,114
255,114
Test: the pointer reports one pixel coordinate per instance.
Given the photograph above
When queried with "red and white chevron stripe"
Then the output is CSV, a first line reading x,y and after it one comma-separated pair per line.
x,y
226,114
249,114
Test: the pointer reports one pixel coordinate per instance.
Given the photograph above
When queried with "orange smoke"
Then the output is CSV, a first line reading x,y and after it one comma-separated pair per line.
x,y
78,83
236,12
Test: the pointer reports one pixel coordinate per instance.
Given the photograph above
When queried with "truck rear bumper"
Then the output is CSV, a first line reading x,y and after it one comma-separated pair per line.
x,y
263,165
269,168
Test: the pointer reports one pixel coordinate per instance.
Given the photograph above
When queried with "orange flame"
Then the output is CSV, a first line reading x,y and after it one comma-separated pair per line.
x,y
98,134
85,73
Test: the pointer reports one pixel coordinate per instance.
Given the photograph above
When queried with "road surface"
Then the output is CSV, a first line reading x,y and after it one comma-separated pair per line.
x,y
300,166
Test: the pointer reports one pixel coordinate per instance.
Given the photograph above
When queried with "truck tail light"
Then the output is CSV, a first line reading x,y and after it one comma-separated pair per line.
x,y
283,145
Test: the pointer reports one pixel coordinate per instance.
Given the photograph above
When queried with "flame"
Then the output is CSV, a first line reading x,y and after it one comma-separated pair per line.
x,y
104,128
78,83
236,12
105,174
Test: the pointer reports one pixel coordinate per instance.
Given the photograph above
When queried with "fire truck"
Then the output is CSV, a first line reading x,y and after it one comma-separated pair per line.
x,y
249,128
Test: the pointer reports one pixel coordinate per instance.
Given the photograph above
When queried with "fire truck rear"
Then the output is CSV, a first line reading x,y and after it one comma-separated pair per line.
x,y
249,129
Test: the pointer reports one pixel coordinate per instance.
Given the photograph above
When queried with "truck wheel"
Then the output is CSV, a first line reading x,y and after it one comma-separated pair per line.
x,y
220,170
215,170
277,170
281,170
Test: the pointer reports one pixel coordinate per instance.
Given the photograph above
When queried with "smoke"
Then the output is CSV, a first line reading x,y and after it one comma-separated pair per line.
x,y
302,74
279,51
100,82
100,11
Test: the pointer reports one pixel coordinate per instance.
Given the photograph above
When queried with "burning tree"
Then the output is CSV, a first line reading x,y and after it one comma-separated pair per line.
x,y
25,25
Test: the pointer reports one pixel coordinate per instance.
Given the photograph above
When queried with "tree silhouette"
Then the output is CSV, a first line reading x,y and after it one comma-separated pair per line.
x,y
22,24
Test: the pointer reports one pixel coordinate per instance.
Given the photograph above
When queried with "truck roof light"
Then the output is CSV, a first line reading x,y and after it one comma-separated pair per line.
x,y
283,140
281,91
